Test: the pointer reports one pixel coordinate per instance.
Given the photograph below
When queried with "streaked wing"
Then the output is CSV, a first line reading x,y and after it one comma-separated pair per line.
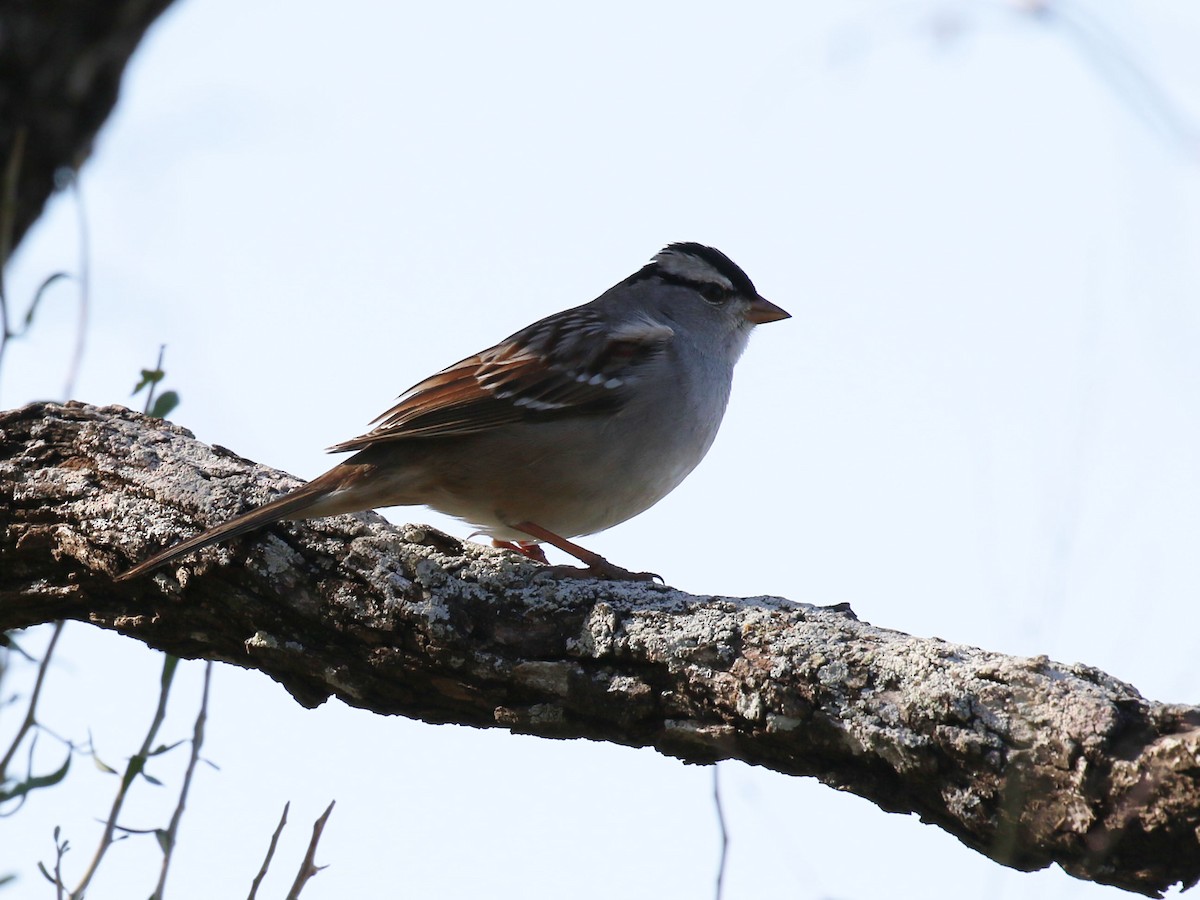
x,y
571,364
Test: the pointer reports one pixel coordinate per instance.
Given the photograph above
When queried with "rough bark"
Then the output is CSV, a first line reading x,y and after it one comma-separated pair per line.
x,y
61,63
1027,761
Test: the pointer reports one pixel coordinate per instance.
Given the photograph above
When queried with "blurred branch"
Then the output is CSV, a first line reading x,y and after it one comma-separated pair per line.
x,y
69,178
61,63
1025,760
1119,66
716,783
30,720
266,863
309,868
168,838
134,767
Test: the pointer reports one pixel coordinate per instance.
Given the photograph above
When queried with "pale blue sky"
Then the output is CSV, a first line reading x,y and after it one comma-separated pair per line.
x,y
980,424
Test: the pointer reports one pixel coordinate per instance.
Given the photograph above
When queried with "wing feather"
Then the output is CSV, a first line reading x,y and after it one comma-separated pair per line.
x,y
571,364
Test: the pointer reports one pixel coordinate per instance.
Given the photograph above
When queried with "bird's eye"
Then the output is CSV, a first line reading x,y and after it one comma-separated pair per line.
x,y
713,293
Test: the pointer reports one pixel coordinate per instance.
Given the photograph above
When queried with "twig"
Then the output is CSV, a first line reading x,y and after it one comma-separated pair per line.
x,y
307,868
1119,66
168,838
266,863
84,285
134,768
158,367
716,770
60,849
30,713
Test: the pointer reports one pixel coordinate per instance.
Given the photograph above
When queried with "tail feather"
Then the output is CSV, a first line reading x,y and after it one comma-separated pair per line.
x,y
289,506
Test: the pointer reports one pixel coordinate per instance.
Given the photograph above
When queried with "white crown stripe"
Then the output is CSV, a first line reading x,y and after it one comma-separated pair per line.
x,y
685,266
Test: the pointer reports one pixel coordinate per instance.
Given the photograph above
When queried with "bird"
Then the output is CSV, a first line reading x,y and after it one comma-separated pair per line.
x,y
570,426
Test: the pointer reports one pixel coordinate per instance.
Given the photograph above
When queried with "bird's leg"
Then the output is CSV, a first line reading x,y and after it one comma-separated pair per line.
x,y
597,565
533,550
530,549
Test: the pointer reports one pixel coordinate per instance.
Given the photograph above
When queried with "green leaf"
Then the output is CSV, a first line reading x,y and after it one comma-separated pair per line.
x,y
166,748
164,403
150,778
37,298
34,782
164,839
102,765
149,376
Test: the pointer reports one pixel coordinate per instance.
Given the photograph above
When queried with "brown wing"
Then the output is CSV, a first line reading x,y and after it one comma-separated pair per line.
x,y
571,364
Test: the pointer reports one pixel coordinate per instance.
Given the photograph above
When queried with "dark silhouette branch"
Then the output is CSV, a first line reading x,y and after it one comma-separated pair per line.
x,y
61,63
1025,760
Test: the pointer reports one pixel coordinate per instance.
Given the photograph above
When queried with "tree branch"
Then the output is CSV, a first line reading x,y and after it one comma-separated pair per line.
x,y
1027,761
61,63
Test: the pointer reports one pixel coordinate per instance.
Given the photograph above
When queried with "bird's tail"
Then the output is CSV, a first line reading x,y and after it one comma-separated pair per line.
x,y
299,504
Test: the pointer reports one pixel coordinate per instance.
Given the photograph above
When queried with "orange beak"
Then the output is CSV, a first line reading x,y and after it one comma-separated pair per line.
x,y
761,311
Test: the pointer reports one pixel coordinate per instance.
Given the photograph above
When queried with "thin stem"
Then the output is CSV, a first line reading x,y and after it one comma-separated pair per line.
x,y
162,348
134,767
173,828
31,713
60,848
84,289
724,834
307,868
266,863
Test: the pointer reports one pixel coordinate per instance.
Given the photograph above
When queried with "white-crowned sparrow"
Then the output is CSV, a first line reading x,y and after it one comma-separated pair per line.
x,y
574,424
